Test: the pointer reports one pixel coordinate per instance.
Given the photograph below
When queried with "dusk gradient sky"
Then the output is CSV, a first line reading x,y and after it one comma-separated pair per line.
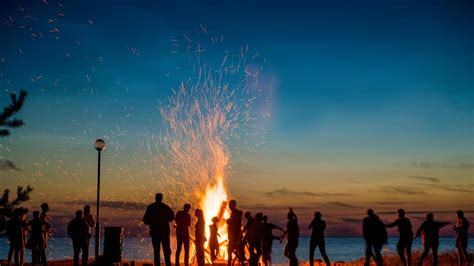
x,y
367,103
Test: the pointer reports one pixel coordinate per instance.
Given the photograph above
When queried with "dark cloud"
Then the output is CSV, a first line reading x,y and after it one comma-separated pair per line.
x,y
452,188
426,178
423,164
466,165
340,204
428,164
403,190
284,192
7,165
351,220
392,203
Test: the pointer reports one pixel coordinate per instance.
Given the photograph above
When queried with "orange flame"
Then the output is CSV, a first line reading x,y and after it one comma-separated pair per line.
x,y
214,204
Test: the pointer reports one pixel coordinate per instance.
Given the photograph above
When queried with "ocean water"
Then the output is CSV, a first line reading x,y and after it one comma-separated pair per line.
x,y
345,249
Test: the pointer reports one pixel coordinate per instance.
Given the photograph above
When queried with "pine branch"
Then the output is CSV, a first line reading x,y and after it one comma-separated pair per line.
x,y
7,207
6,119
4,132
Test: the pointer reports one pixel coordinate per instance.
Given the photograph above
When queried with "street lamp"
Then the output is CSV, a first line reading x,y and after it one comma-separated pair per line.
x,y
99,145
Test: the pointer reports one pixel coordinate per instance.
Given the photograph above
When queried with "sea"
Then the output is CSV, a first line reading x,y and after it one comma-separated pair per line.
x,y
338,248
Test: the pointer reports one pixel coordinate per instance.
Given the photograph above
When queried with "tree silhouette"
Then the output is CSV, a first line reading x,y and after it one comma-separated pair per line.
x,y
8,207
6,120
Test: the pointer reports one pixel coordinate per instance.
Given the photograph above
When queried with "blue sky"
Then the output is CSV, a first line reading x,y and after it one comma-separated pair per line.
x,y
357,90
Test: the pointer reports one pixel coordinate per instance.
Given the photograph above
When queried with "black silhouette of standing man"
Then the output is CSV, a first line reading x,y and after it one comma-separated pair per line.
x,y
158,217
183,222
234,229
37,228
267,241
317,239
462,229
430,229
405,241
78,230
375,235
199,237
292,235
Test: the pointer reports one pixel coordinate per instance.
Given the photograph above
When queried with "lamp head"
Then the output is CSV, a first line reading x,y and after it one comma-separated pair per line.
x,y
99,144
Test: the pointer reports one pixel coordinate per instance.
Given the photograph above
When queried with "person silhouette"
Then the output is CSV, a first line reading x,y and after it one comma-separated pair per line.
x,y
317,239
405,241
183,222
199,237
37,228
430,239
89,219
158,217
78,231
292,234
234,229
213,239
45,217
462,236
16,229
375,236
249,236
267,241
257,238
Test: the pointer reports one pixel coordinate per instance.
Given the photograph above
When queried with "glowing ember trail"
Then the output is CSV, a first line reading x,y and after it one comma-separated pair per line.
x,y
204,122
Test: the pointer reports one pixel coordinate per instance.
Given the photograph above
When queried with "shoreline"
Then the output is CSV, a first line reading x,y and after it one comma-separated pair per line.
x,y
444,258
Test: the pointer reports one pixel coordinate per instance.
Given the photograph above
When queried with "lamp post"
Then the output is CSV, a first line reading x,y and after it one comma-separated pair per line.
x,y
99,145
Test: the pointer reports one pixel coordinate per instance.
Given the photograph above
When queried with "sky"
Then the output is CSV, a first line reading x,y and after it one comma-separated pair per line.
x,y
363,103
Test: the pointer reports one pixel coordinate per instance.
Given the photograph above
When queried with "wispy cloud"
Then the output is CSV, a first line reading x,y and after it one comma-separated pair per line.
x,y
428,165
284,192
351,220
403,190
426,178
340,204
453,188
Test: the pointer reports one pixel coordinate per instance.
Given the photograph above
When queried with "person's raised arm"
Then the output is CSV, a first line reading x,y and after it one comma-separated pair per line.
x,y
395,223
420,229
442,224
277,227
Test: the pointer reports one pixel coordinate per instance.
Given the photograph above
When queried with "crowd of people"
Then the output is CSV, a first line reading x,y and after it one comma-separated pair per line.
x,y
248,241
251,240
34,234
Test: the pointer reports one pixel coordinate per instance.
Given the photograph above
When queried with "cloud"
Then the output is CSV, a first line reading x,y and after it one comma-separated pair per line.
x,y
284,192
428,165
426,178
391,203
403,190
453,188
423,164
351,220
466,165
7,165
341,204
